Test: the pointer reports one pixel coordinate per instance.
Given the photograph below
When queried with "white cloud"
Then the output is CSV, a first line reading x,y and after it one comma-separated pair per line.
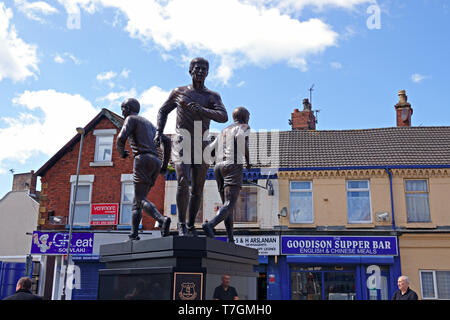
x,y
29,134
125,73
108,75
151,100
298,5
62,58
417,78
18,59
59,59
114,97
33,10
238,33
336,65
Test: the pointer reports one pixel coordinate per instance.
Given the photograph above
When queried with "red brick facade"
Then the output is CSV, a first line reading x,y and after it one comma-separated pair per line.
x,y
107,185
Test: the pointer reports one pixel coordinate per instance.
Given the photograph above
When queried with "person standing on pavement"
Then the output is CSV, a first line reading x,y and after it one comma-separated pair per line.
x,y
23,291
225,291
404,292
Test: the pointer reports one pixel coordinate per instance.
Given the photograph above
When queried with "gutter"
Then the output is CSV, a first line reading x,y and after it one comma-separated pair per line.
x,y
367,167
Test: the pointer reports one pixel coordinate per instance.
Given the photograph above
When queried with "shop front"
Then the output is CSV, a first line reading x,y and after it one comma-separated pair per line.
x,y
85,247
334,268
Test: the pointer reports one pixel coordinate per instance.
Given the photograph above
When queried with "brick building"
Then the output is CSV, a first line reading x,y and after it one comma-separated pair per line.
x,y
105,181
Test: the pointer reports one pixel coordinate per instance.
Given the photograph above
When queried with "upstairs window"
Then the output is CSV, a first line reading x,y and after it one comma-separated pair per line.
x,y
246,206
301,202
358,201
126,201
82,203
417,203
104,145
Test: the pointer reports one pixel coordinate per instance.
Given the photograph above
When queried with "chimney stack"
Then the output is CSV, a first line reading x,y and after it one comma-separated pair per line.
x,y
303,120
25,182
404,110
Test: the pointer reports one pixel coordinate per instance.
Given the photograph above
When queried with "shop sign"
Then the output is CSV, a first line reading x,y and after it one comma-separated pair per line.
x,y
266,245
339,245
104,214
57,243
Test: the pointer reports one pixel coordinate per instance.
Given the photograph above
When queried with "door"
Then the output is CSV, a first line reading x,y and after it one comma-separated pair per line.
x,y
382,292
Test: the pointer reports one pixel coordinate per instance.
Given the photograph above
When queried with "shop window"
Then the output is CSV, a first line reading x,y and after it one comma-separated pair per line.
x,y
323,283
246,206
435,284
82,203
417,202
126,202
339,285
306,285
358,201
301,202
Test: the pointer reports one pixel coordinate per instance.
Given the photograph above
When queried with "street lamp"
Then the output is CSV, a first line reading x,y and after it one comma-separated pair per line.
x,y
72,214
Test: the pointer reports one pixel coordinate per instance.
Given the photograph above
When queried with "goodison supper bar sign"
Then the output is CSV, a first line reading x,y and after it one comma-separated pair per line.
x,y
339,245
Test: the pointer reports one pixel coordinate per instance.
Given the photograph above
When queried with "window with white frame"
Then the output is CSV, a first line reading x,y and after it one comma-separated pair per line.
x,y
301,202
104,145
417,202
358,201
126,202
246,206
435,284
82,203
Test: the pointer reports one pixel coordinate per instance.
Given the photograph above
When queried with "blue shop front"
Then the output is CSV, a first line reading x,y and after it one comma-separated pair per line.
x,y
334,267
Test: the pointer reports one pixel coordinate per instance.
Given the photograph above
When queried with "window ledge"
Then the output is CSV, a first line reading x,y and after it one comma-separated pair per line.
x,y
101,164
126,226
78,227
420,225
302,225
246,225
238,226
359,225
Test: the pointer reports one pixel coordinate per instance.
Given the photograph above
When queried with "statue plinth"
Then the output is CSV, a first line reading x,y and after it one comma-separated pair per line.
x,y
175,268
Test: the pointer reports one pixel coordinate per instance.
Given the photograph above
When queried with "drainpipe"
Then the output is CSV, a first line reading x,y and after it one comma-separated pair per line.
x,y
396,269
388,171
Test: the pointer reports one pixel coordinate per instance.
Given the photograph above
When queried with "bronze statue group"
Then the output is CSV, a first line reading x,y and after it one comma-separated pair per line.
x,y
195,106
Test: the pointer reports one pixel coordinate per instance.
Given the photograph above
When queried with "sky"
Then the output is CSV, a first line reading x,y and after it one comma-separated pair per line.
x,y
62,61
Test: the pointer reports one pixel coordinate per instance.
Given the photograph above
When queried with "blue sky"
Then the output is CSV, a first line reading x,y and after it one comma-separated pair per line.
x,y
57,74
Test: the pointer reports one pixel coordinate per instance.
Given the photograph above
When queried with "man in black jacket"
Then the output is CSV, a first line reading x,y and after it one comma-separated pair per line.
x,y
404,292
23,291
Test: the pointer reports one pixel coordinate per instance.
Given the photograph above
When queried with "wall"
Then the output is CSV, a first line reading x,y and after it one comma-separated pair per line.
x,y
423,252
330,196
18,214
439,186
